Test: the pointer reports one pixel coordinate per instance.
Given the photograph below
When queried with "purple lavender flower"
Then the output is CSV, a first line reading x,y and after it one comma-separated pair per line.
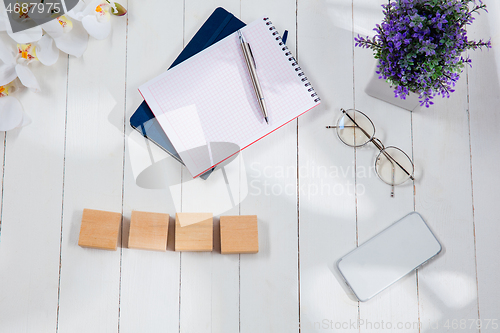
x,y
420,43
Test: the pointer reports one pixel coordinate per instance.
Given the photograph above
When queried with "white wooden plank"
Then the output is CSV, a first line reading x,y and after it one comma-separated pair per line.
x,y
31,217
90,278
198,11
209,291
446,285
209,281
484,122
149,300
269,279
376,209
327,202
2,161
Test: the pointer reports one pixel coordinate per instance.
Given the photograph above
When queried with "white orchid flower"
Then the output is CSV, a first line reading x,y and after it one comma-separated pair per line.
x,y
95,16
26,36
42,43
56,36
63,34
11,111
16,65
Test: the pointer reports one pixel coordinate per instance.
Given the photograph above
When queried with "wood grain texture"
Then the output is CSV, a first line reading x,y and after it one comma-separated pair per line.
x,y
90,279
3,136
32,204
79,151
269,279
239,234
209,282
194,237
186,219
148,231
99,229
149,300
484,85
375,206
2,162
327,201
447,285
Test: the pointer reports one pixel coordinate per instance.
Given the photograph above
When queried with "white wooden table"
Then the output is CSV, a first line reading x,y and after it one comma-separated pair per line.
x,y
316,199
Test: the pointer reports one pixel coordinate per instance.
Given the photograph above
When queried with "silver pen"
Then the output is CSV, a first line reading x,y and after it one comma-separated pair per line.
x,y
247,53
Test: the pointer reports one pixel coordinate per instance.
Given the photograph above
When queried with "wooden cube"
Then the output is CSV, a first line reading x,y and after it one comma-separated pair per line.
x,y
99,229
197,232
239,234
148,231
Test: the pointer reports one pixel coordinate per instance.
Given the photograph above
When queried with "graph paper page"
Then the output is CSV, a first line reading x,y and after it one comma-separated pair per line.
x,y
207,105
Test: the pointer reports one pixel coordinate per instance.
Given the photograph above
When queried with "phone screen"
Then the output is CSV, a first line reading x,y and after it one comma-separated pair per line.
x,y
388,256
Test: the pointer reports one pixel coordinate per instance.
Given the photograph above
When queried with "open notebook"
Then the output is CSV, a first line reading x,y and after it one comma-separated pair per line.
x,y
207,106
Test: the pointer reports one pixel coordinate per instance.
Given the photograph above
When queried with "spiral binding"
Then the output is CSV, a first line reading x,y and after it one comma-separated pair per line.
x,y
295,64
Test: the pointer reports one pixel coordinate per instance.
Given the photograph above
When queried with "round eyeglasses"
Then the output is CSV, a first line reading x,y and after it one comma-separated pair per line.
x,y
392,165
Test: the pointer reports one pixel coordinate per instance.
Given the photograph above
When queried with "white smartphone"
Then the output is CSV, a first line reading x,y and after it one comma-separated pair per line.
x,y
388,256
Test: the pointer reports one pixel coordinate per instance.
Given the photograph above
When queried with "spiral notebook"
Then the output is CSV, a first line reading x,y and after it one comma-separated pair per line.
x,y
207,107
219,25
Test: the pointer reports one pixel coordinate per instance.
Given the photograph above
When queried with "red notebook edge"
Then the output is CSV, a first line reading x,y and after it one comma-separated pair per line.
x,y
256,141
213,166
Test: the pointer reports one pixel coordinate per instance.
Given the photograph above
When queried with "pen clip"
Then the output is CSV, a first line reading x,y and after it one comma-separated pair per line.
x,y
247,45
251,54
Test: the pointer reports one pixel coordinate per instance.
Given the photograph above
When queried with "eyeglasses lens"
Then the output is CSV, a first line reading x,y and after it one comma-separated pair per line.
x,y
354,128
393,166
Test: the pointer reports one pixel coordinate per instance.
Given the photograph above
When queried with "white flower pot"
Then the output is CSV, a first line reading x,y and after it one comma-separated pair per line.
x,y
380,89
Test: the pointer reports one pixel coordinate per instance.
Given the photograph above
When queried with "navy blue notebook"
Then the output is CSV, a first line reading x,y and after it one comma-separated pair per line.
x,y
218,26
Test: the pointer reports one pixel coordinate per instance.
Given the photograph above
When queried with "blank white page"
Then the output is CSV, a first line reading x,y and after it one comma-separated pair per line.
x,y
207,105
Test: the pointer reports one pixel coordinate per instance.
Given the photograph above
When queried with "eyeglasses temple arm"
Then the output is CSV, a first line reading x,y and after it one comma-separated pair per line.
x,y
392,185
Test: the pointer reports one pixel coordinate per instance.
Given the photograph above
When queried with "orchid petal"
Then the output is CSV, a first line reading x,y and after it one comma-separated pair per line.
x,y
91,7
75,42
53,28
66,23
11,113
27,36
47,52
7,53
26,120
27,77
7,73
96,29
4,22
